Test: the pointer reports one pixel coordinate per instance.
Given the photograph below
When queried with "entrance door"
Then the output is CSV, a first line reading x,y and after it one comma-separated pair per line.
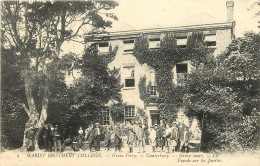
x,y
155,118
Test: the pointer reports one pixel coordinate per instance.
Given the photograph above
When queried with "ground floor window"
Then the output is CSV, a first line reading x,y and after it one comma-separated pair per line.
x,y
129,112
105,116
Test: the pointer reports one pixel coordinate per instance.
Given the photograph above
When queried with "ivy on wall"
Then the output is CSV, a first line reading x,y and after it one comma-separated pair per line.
x,y
163,60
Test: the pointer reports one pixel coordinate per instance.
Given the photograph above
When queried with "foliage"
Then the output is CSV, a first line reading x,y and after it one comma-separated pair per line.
x,y
223,95
162,61
141,116
96,87
34,32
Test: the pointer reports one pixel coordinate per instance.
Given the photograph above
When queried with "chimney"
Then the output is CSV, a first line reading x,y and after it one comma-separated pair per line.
x,y
230,10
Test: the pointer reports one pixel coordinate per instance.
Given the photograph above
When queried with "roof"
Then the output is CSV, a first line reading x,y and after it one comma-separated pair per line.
x,y
138,33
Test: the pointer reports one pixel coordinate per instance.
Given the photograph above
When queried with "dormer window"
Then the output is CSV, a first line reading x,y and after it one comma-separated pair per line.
x,y
103,47
181,41
128,46
154,43
210,41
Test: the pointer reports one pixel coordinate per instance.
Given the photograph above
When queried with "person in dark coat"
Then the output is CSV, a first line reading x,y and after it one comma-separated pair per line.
x,y
47,137
174,137
97,134
118,138
107,139
90,137
56,139
185,138
67,144
181,129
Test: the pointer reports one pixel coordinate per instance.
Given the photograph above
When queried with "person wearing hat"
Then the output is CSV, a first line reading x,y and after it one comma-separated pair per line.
x,y
97,134
174,137
56,139
184,139
130,139
140,137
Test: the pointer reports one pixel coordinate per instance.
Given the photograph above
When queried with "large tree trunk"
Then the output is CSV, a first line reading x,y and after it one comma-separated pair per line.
x,y
34,118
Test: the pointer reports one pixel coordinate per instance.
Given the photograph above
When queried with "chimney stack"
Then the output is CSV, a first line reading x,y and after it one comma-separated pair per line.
x,y
230,10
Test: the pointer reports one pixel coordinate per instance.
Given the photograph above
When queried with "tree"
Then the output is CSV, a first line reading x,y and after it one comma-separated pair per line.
x,y
97,86
224,96
36,31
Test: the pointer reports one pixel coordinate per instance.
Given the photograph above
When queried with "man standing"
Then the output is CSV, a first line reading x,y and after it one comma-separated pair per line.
x,y
56,139
168,141
97,134
140,137
181,130
118,138
47,137
187,138
174,137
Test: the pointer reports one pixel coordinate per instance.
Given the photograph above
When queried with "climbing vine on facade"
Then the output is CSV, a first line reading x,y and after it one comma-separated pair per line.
x,y
162,61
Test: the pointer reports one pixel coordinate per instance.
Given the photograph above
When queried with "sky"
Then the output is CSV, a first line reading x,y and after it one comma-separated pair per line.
x,y
140,14
143,14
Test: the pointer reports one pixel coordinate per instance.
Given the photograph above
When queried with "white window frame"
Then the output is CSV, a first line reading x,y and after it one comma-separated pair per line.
x,y
131,77
103,49
154,43
154,90
105,116
129,115
210,38
129,46
181,41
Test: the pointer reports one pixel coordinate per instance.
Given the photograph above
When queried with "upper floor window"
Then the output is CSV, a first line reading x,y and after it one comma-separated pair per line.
x,y
129,76
154,90
210,40
128,46
181,41
103,47
154,43
181,71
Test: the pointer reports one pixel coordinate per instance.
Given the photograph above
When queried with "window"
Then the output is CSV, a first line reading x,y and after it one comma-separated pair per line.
x,y
152,77
154,43
129,76
105,116
128,46
103,47
181,41
153,90
181,70
210,40
129,112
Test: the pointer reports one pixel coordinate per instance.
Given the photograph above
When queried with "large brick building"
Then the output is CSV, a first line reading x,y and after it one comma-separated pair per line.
x,y
217,35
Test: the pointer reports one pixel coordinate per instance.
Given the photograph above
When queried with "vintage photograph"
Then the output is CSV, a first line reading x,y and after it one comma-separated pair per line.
x,y
130,82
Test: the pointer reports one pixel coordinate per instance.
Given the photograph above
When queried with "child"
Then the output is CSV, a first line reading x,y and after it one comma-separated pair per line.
x,y
155,138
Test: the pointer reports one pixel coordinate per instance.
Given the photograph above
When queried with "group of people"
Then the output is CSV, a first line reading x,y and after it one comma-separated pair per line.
x,y
163,137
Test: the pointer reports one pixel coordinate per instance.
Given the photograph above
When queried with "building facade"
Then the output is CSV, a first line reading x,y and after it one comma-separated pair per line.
x,y
216,35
